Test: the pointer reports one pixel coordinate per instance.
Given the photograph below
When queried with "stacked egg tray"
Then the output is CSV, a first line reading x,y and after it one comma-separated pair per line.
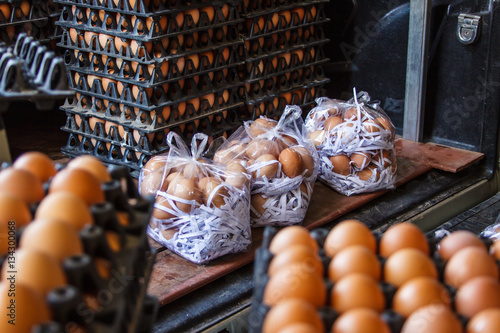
x,y
284,55
30,71
34,17
118,302
394,320
142,70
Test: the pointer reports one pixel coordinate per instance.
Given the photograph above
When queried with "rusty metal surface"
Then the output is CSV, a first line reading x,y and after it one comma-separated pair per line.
x,y
437,156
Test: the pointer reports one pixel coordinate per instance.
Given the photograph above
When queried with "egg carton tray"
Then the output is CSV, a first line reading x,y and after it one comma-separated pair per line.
x,y
36,14
30,71
150,99
150,52
276,85
140,9
157,73
116,152
159,119
124,28
260,8
285,63
262,26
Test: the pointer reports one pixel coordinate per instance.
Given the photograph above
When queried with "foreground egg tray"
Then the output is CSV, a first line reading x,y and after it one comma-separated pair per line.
x,y
395,321
129,309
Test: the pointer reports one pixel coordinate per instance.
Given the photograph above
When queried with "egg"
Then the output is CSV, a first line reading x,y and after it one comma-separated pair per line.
x,y
351,114
331,122
270,166
29,310
91,164
21,183
296,254
6,11
15,209
316,137
419,292
382,159
184,189
477,294
179,19
403,235
297,280
156,163
347,233
369,173
213,192
79,182
290,236
291,163
371,126
299,328
357,290
262,125
160,209
360,160
307,160
236,175
257,205
468,263
37,163
407,264
341,164
354,259
153,182
194,13
387,124
57,239
436,318
291,311
36,270
485,321
495,250
360,320
258,147
65,207
456,241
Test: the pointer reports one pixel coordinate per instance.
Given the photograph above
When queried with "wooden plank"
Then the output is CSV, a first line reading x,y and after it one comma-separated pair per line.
x,y
437,156
174,276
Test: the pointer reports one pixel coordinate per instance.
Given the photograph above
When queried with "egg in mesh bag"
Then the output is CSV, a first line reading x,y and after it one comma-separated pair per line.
x,y
201,208
282,163
355,142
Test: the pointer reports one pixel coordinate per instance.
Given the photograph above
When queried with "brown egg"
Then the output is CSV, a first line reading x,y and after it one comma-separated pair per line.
x,y
192,171
400,236
12,208
161,203
291,163
296,254
30,308
331,122
37,163
290,236
341,164
387,124
153,182
419,292
382,159
354,259
485,321
211,189
79,182
91,164
477,294
184,189
236,175
371,126
360,160
262,125
22,184
36,270
351,114
65,207
360,320
257,203
495,250
468,263
270,170
194,13
289,312
436,318
298,280
368,173
258,147
456,241
307,160
348,233
317,137
357,291
57,239
6,11
406,264
299,327
156,163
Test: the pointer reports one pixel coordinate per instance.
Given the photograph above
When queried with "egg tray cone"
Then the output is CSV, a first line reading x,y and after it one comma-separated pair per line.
x,y
395,321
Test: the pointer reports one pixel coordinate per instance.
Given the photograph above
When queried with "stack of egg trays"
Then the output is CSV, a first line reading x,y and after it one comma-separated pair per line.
x,y
120,301
129,97
34,17
284,55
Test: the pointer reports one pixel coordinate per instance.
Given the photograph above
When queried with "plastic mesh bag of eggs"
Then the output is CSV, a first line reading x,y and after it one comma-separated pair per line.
x,y
355,142
201,209
283,165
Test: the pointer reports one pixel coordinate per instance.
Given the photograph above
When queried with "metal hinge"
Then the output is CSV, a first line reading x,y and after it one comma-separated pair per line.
x,y
468,28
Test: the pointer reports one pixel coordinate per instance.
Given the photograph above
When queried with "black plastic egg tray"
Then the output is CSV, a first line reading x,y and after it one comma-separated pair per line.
x,y
37,13
30,71
255,8
124,28
395,321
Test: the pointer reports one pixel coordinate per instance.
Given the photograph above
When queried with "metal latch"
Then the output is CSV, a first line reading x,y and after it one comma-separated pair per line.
x,y
468,28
